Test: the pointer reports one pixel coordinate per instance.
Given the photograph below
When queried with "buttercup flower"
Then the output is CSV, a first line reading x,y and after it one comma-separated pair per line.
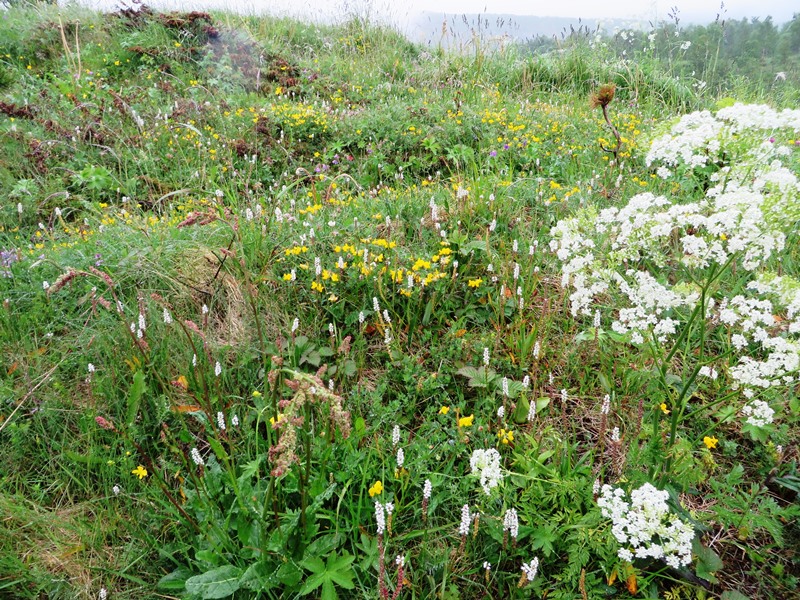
x,y
376,488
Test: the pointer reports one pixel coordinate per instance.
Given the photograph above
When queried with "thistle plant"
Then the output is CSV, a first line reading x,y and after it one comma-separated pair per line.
x,y
601,99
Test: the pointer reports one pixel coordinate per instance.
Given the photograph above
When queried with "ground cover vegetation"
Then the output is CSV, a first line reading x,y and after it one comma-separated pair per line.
x,y
292,310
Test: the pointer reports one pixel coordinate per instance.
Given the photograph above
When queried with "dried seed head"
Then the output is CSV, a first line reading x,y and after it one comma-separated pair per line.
x,y
604,95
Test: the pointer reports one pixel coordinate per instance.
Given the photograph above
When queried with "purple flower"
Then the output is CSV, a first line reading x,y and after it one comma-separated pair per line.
x,y
493,153
7,258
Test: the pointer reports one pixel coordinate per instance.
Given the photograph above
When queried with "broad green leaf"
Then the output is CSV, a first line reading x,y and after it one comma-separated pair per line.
x,y
733,595
134,398
521,411
350,368
257,577
708,562
313,564
217,583
470,372
175,581
217,448
360,425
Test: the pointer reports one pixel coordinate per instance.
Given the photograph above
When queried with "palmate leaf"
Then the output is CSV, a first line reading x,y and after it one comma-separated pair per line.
x,y
335,571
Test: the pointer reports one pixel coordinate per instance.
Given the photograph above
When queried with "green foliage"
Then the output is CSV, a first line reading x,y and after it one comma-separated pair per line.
x,y
258,275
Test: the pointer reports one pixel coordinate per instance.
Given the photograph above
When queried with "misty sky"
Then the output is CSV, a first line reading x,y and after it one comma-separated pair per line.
x,y
694,11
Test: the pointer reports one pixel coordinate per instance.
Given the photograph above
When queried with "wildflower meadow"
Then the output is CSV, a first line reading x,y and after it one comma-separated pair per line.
x,y
299,310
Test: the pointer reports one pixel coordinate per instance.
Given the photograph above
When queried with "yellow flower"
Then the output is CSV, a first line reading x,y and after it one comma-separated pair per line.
x,y
474,283
506,437
466,421
710,442
664,409
376,488
273,420
140,471
256,394
317,286
287,276
444,410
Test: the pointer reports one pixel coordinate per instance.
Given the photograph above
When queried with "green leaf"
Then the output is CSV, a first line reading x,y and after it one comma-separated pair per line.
x,y
350,367
426,317
521,411
175,581
335,570
790,482
470,372
708,562
543,538
216,583
249,469
257,577
217,448
339,570
733,595
134,398
289,575
725,102
328,592
360,425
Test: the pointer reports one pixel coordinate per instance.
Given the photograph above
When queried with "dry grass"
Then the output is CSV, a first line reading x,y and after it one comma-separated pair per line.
x,y
53,542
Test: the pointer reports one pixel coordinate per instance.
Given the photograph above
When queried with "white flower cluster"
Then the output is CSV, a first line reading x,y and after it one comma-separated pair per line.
x,y
740,133
511,523
644,527
530,569
380,518
741,223
754,321
466,520
758,413
486,464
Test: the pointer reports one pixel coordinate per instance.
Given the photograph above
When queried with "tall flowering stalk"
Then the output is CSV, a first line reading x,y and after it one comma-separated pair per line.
x,y
380,522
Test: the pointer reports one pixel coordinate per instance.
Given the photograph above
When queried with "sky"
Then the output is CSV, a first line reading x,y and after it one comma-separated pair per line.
x,y
400,13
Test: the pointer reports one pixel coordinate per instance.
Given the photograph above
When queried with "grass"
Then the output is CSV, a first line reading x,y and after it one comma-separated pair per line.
x,y
259,274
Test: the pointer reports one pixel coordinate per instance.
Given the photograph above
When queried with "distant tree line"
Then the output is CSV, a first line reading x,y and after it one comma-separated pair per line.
x,y
719,54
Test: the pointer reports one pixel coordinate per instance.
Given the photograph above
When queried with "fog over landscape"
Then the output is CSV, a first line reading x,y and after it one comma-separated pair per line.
x,y
418,18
